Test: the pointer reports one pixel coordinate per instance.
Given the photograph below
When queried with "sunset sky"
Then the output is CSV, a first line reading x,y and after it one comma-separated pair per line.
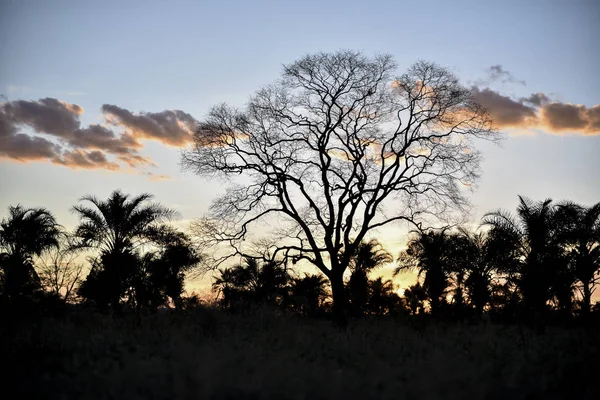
x,y
100,95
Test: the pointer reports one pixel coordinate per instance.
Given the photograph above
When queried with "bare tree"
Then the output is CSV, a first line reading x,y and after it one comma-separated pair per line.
x,y
60,270
338,147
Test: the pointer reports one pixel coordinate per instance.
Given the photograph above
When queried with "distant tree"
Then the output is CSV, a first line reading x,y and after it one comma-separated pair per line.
x,y
25,233
168,266
383,298
60,271
529,251
579,229
116,227
368,256
252,281
476,257
308,293
428,254
414,297
331,145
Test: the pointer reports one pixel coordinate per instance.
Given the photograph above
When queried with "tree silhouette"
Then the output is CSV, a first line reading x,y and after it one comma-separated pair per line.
x,y
252,281
383,298
27,232
474,255
116,227
428,254
308,293
176,258
529,251
368,256
339,138
414,297
580,234
60,271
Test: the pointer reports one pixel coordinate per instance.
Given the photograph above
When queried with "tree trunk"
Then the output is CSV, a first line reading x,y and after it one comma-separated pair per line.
x,y
340,301
587,296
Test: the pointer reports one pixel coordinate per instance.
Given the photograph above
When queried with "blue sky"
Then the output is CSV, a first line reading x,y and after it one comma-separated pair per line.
x,y
151,56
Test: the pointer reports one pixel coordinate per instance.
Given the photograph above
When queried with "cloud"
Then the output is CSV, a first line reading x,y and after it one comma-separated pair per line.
x,y
58,136
561,117
171,127
157,177
50,116
505,111
536,99
87,160
21,147
538,111
497,73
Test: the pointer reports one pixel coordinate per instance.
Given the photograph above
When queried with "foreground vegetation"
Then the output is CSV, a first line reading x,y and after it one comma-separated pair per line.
x,y
210,354
495,313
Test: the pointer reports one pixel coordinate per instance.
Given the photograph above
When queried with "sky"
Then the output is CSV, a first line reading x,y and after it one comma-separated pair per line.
x,y
100,95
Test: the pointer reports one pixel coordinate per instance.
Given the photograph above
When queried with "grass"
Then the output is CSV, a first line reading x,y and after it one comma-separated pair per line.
x,y
208,354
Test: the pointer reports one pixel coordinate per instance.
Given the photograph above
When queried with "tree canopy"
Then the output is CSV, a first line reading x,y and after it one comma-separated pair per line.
x,y
339,146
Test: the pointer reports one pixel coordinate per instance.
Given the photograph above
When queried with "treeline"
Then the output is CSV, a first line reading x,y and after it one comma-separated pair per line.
x,y
542,262
140,262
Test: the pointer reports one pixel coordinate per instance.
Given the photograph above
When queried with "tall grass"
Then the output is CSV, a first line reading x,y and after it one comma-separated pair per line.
x,y
208,354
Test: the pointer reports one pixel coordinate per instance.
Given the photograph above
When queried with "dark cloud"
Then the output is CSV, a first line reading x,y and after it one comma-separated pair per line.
x,y
537,111
497,73
50,116
87,160
505,111
22,147
536,99
101,138
82,147
171,127
562,117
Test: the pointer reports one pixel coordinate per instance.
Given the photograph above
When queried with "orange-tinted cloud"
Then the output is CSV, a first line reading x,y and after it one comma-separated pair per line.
x,y
561,117
538,111
505,111
87,160
171,127
50,116
57,135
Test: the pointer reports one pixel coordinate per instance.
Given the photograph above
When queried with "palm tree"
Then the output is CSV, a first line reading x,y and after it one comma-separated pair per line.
x,y
250,280
367,256
116,226
27,232
414,297
527,249
427,253
166,269
309,292
119,223
579,228
383,298
475,258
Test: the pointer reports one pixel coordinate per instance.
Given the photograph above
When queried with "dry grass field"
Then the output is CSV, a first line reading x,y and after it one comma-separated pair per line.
x,y
209,354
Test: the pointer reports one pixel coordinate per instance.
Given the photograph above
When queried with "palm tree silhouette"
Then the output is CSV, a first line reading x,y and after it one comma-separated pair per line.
x,y
252,281
165,269
308,293
383,298
475,258
414,297
428,253
116,226
579,228
527,250
27,232
367,256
